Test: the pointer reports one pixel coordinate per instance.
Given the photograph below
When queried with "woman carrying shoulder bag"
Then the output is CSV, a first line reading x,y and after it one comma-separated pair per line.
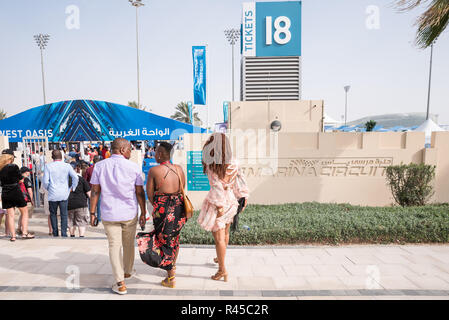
x,y
165,187
227,185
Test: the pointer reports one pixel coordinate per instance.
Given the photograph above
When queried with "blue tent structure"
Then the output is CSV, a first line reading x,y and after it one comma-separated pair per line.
x,y
90,120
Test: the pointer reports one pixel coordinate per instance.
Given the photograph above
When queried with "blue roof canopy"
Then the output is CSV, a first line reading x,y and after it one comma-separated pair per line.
x,y
89,120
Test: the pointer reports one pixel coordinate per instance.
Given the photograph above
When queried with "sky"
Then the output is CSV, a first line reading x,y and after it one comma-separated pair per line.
x,y
386,72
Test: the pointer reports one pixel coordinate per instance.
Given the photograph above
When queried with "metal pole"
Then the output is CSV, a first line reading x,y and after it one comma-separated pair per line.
x,y
430,82
138,67
43,77
232,46
346,106
207,86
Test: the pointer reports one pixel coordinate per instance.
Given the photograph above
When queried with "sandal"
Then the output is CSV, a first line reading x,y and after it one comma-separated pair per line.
x,y
28,236
219,275
169,282
12,239
216,260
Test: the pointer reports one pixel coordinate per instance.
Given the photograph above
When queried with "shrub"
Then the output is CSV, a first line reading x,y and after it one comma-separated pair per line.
x,y
411,184
319,223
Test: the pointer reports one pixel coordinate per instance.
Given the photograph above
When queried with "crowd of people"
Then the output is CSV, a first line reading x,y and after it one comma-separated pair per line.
x,y
71,204
106,186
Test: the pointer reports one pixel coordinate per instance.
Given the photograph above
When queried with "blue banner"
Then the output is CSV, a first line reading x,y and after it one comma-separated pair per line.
x,y
199,75
225,111
190,106
89,120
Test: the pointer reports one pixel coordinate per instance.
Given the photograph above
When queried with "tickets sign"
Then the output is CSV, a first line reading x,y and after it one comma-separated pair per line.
x,y
271,29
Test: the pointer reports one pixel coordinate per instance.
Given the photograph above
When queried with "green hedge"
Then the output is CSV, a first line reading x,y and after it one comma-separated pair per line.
x,y
331,224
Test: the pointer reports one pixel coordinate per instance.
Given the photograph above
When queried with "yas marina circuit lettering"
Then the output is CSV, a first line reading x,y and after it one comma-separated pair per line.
x,y
323,167
26,133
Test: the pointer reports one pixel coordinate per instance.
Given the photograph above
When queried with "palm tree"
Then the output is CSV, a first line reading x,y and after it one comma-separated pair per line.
x,y
182,114
134,105
2,114
370,125
431,23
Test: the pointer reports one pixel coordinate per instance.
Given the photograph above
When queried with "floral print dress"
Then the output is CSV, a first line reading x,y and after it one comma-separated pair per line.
x,y
158,248
222,194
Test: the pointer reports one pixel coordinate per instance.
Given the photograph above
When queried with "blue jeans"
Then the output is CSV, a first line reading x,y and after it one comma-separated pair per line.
x,y
53,206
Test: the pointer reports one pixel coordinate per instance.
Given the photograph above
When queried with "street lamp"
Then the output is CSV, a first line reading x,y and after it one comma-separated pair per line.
x,y
42,40
233,36
137,4
346,102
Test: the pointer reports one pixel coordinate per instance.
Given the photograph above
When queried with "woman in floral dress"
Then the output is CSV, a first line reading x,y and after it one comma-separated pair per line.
x,y
160,248
227,186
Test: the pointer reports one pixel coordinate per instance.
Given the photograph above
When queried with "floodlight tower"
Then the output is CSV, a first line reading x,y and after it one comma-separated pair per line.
x,y
233,36
137,4
42,40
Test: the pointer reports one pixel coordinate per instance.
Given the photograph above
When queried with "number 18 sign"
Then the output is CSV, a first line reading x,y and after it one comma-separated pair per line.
x,y
271,29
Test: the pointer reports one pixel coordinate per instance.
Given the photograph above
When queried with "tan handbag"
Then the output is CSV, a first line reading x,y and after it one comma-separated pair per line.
x,y
187,203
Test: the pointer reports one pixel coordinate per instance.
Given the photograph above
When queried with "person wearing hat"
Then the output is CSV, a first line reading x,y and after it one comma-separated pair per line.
x,y
12,196
26,186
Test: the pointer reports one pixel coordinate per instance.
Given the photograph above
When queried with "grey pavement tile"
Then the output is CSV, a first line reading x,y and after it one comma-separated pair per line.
x,y
45,289
11,289
24,289
226,293
352,293
438,292
278,293
96,290
299,293
69,290
408,292
391,292
180,293
247,293
192,293
212,293
160,292
369,292
145,292
3,288
321,293
337,293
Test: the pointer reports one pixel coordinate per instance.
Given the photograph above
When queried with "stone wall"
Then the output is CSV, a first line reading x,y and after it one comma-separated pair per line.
x,y
327,167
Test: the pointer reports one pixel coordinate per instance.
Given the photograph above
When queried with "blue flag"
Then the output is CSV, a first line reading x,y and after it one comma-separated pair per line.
x,y
225,111
199,75
189,105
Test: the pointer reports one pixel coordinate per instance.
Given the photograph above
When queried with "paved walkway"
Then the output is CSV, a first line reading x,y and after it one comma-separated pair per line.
x,y
47,268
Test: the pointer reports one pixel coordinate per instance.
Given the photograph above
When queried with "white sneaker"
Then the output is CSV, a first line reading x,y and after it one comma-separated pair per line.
x,y
133,273
120,289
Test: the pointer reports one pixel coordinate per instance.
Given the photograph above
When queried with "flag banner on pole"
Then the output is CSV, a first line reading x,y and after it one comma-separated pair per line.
x,y
199,75
190,106
225,111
